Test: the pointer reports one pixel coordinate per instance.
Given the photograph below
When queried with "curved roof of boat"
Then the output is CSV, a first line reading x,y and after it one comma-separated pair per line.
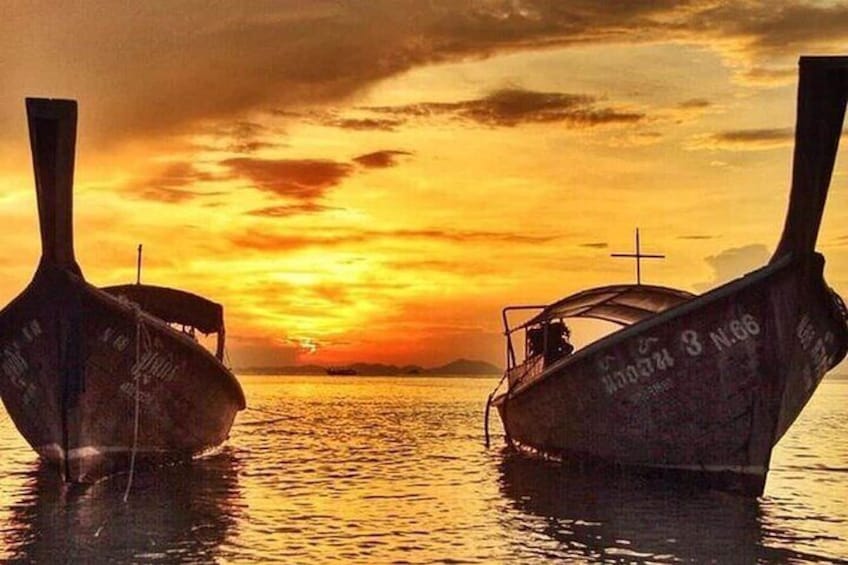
x,y
623,304
173,305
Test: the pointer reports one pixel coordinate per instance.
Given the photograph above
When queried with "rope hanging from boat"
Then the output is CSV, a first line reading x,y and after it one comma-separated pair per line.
x,y
513,385
488,406
140,334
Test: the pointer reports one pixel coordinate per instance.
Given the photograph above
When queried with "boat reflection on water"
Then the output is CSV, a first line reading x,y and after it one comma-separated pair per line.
x,y
584,516
183,512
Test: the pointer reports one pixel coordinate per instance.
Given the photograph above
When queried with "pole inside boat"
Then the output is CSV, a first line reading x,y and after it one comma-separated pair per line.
x,y
638,256
138,266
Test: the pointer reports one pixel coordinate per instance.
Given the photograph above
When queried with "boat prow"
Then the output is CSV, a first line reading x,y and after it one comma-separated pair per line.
x,y
91,380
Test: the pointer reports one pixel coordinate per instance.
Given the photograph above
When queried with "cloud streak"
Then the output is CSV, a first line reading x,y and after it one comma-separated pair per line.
x,y
511,107
288,210
746,139
260,241
301,179
161,68
381,159
169,184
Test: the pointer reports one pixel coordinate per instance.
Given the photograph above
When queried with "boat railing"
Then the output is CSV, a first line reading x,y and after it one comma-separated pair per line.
x,y
508,331
526,372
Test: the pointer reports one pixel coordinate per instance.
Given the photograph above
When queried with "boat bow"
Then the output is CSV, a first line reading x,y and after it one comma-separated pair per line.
x,y
822,94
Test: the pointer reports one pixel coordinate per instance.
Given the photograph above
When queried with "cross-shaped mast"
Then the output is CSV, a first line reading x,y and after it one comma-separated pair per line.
x,y
638,256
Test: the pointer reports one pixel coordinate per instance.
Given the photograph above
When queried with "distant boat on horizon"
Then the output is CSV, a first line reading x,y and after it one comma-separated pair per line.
x,y
97,380
698,387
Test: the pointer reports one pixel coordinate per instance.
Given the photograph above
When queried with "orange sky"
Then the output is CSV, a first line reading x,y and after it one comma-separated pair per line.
x,y
375,180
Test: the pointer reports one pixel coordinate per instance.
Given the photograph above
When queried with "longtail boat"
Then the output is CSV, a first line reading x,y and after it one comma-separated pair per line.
x,y
701,387
95,379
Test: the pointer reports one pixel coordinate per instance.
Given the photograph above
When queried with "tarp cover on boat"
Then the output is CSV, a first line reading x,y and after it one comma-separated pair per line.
x,y
173,305
623,304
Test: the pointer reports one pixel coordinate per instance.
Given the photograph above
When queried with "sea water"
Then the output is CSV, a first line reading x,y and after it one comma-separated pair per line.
x,y
394,470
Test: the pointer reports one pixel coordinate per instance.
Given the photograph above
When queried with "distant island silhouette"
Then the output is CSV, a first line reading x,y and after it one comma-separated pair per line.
x,y
462,367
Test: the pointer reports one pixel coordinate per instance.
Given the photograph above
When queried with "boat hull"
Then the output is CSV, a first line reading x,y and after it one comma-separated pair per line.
x,y
704,390
74,362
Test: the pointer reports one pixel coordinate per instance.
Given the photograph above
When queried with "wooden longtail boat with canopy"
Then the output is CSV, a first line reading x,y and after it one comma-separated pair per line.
x,y
95,378
701,387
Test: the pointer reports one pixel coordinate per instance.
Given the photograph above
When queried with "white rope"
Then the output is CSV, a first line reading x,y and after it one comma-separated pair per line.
x,y
137,378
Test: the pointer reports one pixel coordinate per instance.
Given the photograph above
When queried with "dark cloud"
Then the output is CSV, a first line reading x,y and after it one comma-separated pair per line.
x,y
287,210
695,237
276,242
509,107
247,137
596,245
695,104
169,184
768,135
303,179
363,124
746,139
769,29
513,106
142,69
248,146
380,159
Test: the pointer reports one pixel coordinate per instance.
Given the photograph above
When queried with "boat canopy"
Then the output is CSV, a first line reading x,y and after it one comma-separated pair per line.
x,y
174,306
623,304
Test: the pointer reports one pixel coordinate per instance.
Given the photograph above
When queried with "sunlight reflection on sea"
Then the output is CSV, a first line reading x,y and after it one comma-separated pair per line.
x,y
393,469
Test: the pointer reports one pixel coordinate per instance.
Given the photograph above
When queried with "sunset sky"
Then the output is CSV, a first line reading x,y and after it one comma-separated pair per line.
x,y
375,180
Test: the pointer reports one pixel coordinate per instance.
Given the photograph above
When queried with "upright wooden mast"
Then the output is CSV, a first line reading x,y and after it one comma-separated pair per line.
x,y
638,256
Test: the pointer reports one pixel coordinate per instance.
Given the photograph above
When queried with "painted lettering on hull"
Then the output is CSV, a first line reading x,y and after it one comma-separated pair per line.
x,y
14,365
155,366
814,345
637,370
651,358
720,338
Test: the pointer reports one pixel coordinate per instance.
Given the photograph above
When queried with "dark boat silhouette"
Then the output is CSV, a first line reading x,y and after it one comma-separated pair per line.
x,y
697,386
92,376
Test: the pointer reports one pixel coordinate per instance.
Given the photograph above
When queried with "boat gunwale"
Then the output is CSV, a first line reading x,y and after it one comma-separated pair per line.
x,y
627,332
127,308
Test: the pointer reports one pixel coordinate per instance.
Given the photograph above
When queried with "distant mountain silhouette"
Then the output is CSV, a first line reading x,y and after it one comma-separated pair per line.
x,y
465,367
456,367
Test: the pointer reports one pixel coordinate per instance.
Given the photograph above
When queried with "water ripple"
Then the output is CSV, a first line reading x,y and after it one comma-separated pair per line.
x,y
392,470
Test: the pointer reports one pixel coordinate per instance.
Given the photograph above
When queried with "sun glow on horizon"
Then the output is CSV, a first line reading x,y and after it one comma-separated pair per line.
x,y
383,203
